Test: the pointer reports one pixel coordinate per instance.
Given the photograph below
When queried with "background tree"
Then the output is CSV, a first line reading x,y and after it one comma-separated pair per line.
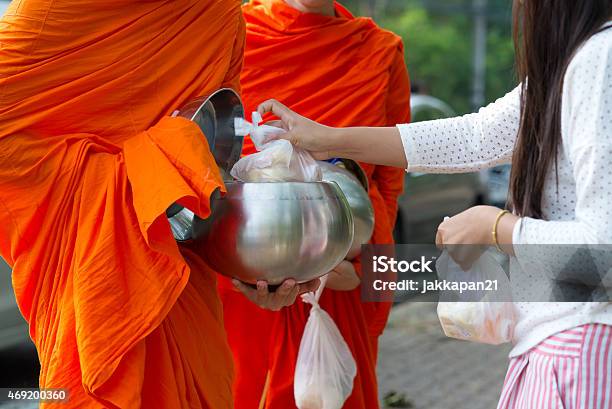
x,y
439,40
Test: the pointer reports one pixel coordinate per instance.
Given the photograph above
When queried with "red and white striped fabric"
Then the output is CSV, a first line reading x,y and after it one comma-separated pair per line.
x,y
569,370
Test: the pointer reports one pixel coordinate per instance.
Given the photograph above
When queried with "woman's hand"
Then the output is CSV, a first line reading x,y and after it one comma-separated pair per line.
x,y
343,277
284,296
378,146
467,235
301,131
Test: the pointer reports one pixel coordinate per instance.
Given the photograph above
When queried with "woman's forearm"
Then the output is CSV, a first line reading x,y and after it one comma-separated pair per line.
x,y
454,145
379,146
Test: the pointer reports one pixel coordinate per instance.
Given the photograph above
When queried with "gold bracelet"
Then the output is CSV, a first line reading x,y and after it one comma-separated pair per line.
x,y
497,219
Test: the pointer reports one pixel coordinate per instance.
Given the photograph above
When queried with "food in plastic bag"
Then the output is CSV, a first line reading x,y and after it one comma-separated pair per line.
x,y
325,368
484,321
276,160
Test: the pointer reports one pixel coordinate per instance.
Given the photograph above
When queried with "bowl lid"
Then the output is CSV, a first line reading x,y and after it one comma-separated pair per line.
x,y
215,116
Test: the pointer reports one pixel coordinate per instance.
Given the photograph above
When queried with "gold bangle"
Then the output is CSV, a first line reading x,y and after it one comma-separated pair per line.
x,y
497,219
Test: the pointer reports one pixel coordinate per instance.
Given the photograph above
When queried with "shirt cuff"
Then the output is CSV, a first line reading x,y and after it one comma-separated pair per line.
x,y
516,232
524,254
411,153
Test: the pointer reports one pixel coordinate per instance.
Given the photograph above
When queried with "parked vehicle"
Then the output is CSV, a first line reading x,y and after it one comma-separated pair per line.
x,y
428,198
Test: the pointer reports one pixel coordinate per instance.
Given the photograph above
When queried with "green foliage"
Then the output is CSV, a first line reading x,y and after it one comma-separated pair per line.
x,y
436,56
438,39
501,76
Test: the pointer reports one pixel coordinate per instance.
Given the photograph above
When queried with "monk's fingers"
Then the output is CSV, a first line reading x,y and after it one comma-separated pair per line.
x,y
309,287
263,295
286,287
292,293
247,291
284,294
290,298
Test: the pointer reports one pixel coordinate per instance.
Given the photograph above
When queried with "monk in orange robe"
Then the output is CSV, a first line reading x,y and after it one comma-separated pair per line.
x,y
318,59
89,163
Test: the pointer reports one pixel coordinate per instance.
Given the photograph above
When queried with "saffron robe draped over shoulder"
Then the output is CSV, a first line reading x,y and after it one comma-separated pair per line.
x,y
89,162
340,71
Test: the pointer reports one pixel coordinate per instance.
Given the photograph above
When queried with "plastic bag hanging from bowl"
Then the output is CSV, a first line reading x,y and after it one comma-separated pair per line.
x,y
325,368
276,160
487,320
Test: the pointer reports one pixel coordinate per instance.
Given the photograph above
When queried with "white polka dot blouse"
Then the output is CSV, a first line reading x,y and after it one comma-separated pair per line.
x,y
576,211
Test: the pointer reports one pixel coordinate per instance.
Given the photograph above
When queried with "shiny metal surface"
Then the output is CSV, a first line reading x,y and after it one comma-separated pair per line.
x,y
356,170
215,116
275,231
181,223
352,185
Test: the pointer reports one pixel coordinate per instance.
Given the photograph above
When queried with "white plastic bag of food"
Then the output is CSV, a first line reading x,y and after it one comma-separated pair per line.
x,y
325,368
276,160
488,320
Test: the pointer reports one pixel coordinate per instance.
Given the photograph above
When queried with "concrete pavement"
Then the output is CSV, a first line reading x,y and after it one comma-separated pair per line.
x,y
433,371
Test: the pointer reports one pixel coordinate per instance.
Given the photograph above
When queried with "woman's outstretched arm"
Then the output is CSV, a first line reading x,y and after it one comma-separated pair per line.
x,y
463,144
379,146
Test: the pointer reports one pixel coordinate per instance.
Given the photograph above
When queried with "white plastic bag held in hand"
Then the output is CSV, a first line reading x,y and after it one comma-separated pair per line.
x,y
325,368
276,161
485,321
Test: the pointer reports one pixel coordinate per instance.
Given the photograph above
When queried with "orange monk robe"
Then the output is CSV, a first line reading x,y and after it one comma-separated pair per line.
x,y
89,162
341,71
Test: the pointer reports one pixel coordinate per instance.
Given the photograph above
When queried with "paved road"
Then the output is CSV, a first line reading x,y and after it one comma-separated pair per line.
x,y
433,371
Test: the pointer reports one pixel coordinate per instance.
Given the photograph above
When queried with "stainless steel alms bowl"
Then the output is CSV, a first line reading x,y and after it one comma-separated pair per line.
x,y
215,115
353,184
275,231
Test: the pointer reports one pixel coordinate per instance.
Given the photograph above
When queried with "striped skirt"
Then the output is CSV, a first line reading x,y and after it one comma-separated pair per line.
x,y
569,370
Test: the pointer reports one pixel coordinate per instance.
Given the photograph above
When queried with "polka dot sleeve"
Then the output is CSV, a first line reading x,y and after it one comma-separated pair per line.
x,y
464,144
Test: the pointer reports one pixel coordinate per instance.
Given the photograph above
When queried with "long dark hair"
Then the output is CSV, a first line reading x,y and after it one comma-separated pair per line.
x,y
547,34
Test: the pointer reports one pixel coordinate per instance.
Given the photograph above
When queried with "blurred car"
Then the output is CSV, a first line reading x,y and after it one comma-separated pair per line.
x,y
498,180
428,198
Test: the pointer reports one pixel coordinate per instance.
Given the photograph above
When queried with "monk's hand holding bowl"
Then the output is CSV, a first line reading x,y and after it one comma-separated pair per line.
x,y
343,277
284,296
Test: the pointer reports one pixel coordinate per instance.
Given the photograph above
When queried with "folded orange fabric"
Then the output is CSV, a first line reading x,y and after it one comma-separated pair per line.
x,y
341,71
89,161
